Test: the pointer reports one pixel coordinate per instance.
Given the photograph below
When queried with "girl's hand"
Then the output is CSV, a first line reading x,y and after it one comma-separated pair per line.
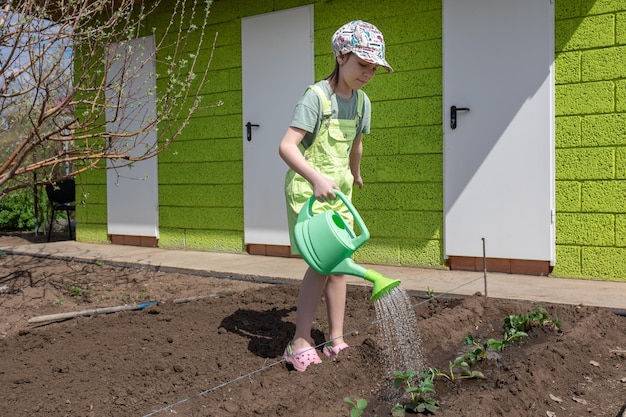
x,y
358,181
324,189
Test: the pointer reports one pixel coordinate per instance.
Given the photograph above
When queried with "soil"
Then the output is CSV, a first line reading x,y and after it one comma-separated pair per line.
x,y
213,347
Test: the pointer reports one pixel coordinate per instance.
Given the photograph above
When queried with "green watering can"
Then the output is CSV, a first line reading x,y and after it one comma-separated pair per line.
x,y
327,243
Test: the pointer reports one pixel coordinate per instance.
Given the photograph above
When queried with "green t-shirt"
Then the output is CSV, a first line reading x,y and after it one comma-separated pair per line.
x,y
308,112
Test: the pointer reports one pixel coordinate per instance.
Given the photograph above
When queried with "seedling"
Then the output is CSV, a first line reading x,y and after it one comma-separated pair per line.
x,y
515,328
358,407
75,291
125,298
460,362
479,352
523,323
420,395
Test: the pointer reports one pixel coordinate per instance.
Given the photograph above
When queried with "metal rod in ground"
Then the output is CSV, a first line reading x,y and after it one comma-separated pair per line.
x,y
484,266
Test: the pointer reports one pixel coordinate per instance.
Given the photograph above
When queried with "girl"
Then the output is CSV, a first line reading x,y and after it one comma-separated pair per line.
x,y
323,148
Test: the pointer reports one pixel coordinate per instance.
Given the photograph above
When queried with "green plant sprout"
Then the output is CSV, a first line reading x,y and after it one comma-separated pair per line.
x,y
460,362
523,323
75,291
358,407
515,328
421,401
135,297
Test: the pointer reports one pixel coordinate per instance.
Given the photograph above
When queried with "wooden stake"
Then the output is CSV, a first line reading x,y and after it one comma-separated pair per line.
x,y
125,307
103,310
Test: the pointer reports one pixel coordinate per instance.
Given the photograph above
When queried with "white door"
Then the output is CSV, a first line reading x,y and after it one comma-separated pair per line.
x,y
499,160
132,190
277,61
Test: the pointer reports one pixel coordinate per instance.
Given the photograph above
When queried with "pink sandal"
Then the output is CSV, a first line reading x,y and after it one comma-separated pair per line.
x,y
332,351
300,359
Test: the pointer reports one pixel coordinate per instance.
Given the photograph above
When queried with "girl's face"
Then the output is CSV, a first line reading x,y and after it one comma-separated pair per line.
x,y
355,72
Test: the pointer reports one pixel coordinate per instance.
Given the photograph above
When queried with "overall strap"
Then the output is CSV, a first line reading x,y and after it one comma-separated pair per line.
x,y
359,105
326,104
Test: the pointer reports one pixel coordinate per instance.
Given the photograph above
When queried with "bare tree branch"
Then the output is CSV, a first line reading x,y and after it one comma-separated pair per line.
x,y
71,79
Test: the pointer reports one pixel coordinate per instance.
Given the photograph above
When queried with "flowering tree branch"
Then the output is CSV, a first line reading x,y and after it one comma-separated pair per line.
x,y
70,79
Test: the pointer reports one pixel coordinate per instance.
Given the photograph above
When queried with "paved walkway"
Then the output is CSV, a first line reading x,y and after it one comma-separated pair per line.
x,y
523,287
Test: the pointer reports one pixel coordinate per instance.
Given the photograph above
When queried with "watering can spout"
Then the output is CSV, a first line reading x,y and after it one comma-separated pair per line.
x,y
349,267
382,285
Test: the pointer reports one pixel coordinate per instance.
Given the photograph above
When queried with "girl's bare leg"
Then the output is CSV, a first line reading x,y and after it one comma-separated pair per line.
x,y
336,306
308,300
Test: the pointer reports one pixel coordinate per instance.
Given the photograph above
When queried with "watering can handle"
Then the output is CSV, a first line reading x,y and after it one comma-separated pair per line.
x,y
365,234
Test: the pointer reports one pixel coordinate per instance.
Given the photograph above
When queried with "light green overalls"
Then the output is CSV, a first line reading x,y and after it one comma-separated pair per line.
x,y
330,155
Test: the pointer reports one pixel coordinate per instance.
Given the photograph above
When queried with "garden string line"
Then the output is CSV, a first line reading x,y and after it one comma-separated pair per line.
x,y
249,374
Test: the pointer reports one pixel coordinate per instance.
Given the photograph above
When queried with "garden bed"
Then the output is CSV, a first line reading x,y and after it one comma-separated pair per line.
x,y
213,347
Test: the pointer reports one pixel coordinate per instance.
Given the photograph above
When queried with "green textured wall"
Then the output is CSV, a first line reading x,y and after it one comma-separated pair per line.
x,y
200,175
591,138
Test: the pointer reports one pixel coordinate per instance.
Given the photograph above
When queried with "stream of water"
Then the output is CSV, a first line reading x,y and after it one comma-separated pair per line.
x,y
400,338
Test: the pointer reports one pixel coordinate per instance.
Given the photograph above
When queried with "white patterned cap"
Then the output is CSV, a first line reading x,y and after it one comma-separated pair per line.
x,y
362,39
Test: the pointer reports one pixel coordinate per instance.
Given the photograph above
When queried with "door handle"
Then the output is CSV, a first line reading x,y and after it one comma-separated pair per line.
x,y
453,111
249,127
